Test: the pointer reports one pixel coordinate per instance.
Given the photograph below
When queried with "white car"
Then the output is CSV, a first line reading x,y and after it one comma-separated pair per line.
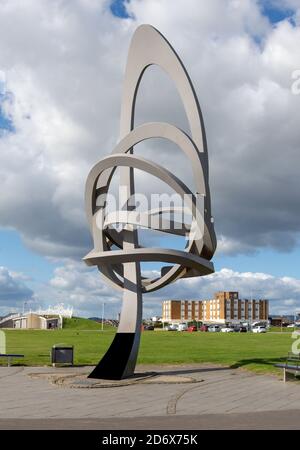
x,y
172,327
259,330
182,327
227,330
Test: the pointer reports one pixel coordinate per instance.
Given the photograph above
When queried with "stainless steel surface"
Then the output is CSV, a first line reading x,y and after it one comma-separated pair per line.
x,y
121,268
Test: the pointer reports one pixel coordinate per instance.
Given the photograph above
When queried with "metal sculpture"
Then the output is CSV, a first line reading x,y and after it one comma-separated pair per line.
x,y
121,267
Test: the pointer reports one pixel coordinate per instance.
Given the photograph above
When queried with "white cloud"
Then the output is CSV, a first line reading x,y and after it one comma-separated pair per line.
x,y
86,290
63,64
282,292
83,288
64,67
58,68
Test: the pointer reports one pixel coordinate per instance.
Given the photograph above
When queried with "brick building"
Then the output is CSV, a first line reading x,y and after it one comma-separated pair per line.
x,y
225,307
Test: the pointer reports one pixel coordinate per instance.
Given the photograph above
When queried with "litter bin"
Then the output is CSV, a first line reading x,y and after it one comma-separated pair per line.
x,y
62,354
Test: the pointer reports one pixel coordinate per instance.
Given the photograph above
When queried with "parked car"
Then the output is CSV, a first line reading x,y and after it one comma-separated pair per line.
x,y
182,327
172,327
192,328
214,328
204,328
148,327
243,330
227,330
291,325
259,329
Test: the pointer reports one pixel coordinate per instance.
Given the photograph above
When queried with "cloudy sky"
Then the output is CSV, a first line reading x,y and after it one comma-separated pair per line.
x,y
61,70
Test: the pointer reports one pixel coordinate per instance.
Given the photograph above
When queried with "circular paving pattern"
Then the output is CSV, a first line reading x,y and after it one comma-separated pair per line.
x,y
80,381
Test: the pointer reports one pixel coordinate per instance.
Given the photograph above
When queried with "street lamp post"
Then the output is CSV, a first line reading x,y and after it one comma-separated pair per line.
x,y
103,304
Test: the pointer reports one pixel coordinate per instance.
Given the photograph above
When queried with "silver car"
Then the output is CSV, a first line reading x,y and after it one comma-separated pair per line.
x,y
214,328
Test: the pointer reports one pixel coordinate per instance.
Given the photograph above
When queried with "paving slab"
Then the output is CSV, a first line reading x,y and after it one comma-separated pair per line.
x,y
201,391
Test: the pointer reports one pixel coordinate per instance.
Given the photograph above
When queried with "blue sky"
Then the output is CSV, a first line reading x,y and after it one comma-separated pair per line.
x,y
5,122
270,9
38,269
17,257
275,12
118,8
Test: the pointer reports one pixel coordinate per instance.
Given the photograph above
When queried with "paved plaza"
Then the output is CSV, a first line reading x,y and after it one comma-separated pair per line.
x,y
181,397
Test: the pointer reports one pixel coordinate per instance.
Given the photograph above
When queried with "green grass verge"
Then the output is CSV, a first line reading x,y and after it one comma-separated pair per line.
x,y
79,323
283,329
257,352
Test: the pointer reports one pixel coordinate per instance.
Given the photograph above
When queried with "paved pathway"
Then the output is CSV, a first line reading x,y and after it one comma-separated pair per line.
x,y
223,398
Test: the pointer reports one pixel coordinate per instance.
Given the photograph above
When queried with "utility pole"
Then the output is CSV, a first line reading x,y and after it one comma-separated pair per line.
x,y
103,304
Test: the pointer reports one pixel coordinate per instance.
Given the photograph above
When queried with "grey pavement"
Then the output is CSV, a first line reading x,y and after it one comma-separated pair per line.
x,y
223,398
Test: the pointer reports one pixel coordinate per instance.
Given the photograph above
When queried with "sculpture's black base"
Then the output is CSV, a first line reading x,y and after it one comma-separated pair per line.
x,y
114,363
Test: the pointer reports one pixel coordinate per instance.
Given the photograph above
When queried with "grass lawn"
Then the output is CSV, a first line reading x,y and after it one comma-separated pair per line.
x,y
257,352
